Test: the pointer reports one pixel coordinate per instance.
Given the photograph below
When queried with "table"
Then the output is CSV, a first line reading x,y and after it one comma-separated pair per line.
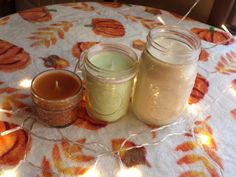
x,y
202,143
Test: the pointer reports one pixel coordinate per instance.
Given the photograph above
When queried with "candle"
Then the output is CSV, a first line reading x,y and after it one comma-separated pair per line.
x,y
57,95
109,71
166,76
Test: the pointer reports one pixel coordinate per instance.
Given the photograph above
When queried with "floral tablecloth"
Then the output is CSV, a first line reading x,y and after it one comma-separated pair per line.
x,y
200,144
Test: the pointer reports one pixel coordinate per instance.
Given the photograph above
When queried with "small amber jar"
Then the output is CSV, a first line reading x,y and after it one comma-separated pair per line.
x,y
52,108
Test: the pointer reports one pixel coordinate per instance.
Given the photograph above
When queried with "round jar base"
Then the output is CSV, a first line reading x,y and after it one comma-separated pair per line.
x,y
98,121
158,123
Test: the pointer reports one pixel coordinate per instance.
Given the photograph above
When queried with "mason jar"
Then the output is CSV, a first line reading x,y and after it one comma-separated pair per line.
x,y
109,71
167,71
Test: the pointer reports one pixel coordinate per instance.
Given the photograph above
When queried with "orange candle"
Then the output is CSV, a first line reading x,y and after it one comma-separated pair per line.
x,y
57,95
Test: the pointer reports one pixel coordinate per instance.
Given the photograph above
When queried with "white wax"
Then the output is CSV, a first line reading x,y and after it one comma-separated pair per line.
x,y
171,48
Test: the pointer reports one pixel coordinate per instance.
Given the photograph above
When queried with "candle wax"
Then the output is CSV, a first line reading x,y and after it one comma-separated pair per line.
x,y
109,101
56,85
112,61
164,83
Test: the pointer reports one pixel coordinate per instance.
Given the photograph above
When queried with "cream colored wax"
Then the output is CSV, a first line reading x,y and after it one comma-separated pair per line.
x,y
108,100
164,83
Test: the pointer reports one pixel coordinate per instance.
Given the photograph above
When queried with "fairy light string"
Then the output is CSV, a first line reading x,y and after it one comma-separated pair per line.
x,y
116,153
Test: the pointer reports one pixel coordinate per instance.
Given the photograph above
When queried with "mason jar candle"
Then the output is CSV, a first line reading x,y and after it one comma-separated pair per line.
x,y
109,70
167,71
57,95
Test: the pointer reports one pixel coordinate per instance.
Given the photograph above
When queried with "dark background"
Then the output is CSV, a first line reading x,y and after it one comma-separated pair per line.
x,y
213,12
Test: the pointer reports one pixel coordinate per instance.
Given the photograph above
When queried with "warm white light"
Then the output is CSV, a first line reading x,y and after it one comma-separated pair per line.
x,y
205,139
26,83
233,91
8,173
5,111
10,131
193,109
92,172
225,28
129,172
161,20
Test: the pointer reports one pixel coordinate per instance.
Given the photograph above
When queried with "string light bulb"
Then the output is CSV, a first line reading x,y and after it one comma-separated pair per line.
x,y
161,20
92,172
129,172
25,83
193,109
232,91
205,139
225,28
8,173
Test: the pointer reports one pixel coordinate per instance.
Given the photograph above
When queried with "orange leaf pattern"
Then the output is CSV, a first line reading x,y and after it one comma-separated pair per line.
x,y
79,47
147,23
203,56
13,146
48,35
130,157
4,20
227,64
234,84
233,113
152,10
202,128
74,152
193,174
111,4
54,37
12,100
61,168
81,6
200,89
138,44
186,146
46,168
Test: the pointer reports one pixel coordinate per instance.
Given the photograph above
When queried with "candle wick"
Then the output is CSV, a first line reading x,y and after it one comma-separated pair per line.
x,y
57,84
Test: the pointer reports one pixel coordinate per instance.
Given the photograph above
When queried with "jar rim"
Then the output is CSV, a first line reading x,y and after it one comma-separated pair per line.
x,y
115,47
34,94
190,39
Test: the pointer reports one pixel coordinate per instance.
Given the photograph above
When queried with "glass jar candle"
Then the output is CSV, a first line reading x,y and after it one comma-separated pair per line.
x,y
57,95
167,71
109,70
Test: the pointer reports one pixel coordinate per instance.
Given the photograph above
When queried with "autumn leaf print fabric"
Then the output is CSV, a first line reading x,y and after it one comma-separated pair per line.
x,y
55,37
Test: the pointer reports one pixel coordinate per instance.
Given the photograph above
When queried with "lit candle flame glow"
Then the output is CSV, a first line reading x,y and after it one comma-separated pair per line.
x,y
26,83
128,172
161,20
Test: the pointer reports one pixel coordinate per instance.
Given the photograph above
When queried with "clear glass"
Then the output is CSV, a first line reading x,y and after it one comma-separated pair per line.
x,y
167,71
108,91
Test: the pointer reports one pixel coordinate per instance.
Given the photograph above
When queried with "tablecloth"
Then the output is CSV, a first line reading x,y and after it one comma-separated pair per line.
x,y
201,143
